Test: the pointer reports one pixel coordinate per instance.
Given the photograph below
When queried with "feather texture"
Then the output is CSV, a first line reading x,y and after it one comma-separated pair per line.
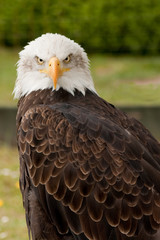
x,y
92,172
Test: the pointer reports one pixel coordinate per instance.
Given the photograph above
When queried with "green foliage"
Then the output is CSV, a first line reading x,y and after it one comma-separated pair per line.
x,y
101,26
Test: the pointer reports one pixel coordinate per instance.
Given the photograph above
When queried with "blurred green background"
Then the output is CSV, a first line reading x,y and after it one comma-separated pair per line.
x,y
122,39
115,26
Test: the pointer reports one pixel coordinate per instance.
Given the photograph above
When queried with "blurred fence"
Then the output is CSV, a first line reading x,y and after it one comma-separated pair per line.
x,y
8,125
149,116
116,26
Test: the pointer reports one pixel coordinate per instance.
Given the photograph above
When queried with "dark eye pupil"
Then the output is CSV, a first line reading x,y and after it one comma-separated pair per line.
x,y
67,59
41,60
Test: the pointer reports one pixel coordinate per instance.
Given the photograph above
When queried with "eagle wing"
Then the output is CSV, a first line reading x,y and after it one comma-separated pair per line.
x,y
90,175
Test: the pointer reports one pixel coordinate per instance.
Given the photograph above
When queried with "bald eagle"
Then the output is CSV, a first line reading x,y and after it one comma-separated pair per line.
x,y
87,170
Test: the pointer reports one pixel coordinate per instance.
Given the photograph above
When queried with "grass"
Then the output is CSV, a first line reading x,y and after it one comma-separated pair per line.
x,y
127,80
122,80
12,218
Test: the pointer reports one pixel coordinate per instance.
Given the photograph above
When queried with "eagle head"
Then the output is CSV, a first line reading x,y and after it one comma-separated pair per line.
x,y
52,61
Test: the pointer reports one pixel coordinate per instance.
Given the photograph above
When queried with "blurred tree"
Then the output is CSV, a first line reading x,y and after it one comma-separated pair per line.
x,y
115,26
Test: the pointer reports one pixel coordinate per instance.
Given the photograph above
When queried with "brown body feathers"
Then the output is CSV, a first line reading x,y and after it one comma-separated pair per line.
x,y
87,171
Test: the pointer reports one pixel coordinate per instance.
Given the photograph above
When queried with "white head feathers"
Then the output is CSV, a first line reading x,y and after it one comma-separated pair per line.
x,y
29,77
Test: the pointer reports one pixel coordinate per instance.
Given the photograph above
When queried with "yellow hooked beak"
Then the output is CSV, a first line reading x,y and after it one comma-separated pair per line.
x,y
54,70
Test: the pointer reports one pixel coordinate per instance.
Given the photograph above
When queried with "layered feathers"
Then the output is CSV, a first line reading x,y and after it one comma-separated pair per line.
x,y
87,170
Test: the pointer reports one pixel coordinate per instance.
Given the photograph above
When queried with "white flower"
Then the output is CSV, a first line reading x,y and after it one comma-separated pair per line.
x,y
3,235
8,172
4,219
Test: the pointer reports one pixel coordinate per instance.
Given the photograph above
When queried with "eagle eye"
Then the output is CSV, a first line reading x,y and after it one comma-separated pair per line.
x,y
40,61
67,59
